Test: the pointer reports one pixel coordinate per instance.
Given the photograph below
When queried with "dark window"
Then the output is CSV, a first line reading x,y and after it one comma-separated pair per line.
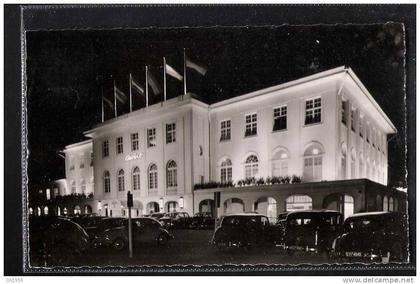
x,y
280,118
225,130
251,124
313,111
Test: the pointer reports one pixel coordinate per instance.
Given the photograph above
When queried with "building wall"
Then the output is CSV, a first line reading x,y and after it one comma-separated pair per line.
x,y
77,155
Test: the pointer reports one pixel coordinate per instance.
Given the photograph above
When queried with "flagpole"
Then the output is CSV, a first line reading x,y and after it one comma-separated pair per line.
x,y
164,79
102,92
131,103
115,100
185,75
147,88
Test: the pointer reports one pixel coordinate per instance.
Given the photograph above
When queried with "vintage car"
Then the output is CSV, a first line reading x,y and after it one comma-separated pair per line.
x,y
98,225
55,241
175,220
202,221
312,230
145,230
245,230
373,236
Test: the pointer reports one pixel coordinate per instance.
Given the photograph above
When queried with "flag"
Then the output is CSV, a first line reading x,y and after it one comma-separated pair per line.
x,y
121,97
108,101
200,69
172,72
153,83
137,86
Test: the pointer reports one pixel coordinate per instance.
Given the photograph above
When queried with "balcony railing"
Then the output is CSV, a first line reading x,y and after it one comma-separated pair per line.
x,y
250,182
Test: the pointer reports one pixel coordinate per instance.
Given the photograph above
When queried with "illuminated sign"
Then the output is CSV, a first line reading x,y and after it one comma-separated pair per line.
x,y
134,156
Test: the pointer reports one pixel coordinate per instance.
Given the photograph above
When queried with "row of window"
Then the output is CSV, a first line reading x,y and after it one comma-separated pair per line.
x,y
312,115
82,186
82,161
152,176
151,140
373,136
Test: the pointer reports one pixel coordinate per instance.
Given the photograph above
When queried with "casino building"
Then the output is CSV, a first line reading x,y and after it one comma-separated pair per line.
x,y
317,142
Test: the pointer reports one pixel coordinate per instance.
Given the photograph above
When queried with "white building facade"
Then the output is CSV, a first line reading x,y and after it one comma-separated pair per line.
x,y
315,130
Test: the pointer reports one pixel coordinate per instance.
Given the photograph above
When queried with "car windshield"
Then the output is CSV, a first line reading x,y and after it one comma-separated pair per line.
x,y
244,220
364,224
324,220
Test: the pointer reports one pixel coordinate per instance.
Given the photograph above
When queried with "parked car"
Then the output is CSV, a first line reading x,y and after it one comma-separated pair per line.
x,y
157,216
55,241
312,230
245,230
176,220
98,225
202,221
373,236
145,230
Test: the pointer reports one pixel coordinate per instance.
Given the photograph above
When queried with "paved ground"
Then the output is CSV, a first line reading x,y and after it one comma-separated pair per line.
x,y
193,247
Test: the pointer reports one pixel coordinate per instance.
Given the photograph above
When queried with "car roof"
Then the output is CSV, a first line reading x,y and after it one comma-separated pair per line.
x,y
244,214
375,213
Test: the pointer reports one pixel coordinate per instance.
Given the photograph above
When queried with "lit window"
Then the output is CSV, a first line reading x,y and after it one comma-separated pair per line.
x,y
171,174
120,146
226,171
120,180
352,122
385,204
107,183
279,163
312,170
83,186
134,141
151,137
251,124
343,112
153,177
73,187
136,178
313,111
170,133
225,130
105,148
280,118
48,193
251,166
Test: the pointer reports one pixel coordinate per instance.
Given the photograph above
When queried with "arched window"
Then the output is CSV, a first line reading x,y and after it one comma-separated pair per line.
x,y
280,163
136,178
107,183
73,187
391,204
298,202
312,170
385,204
31,211
251,166
120,180
83,186
171,174
38,211
226,171
153,177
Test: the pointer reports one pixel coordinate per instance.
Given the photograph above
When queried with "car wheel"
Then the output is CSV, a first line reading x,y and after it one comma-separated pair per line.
x,y
396,254
162,240
118,244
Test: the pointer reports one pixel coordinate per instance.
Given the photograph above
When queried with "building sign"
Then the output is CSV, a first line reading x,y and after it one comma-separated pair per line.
x,y
134,156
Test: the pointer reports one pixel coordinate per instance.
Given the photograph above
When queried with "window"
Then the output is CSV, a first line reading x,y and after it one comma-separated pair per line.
x,y
225,130
352,122
367,134
120,180
251,166
343,161
120,146
251,124
83,186
343,112
71,163
134,141
73,187
385,204
171,174
313,111
361,127
151,137
279,164
91,159
280,118
312,170
226,171
373,137
82,161
153,177
136,178
105,148
170,133
107,183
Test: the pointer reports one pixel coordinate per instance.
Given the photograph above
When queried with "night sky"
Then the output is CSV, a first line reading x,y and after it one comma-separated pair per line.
x,y
66,71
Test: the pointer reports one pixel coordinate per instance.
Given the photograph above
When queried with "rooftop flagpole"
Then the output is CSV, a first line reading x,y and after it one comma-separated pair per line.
x,y
102,101
164,79
131,100
147,87
115,100
185,75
